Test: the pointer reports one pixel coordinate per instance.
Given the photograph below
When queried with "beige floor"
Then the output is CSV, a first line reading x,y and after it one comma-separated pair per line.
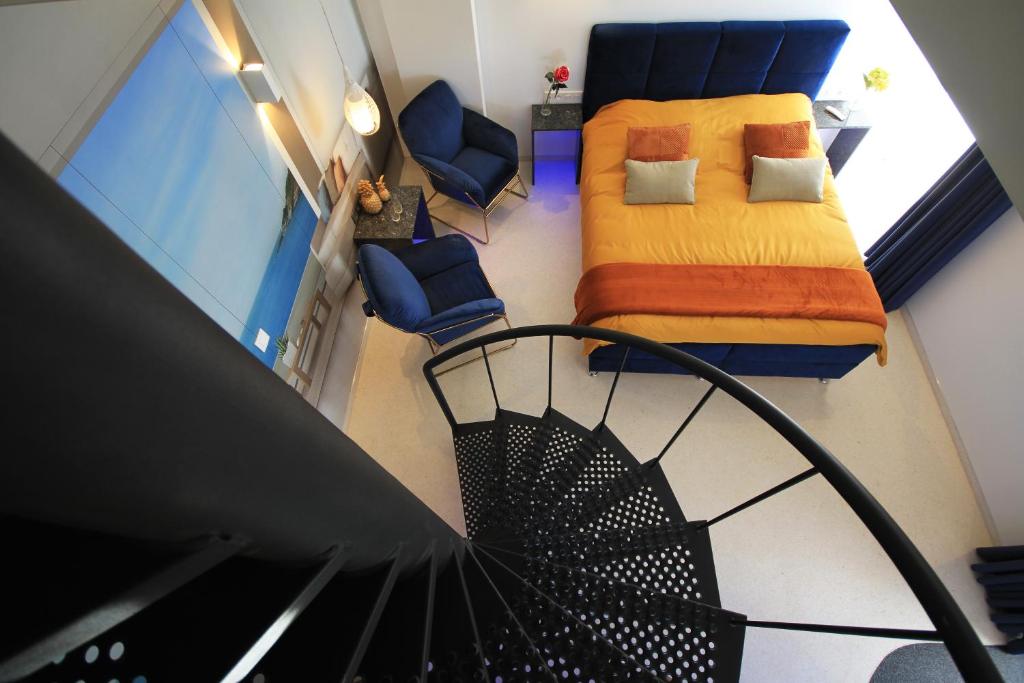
x,y
800,556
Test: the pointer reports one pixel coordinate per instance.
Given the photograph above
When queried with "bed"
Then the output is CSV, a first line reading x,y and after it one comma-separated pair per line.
x,y
716,76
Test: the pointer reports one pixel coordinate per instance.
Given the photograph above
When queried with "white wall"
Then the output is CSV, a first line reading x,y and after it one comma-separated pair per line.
x,y
297,41
57,58
970,318
434,40
970,321
520,41
977,52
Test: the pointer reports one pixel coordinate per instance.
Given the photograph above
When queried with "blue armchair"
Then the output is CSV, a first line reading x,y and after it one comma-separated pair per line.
x,y
435,289
465,155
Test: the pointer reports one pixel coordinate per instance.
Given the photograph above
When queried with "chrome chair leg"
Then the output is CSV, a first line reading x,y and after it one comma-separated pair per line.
x,y
525,193
485,211
475,358
485,240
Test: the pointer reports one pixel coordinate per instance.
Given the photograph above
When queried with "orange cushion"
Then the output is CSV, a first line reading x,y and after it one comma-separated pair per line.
x,y
776,140
659,143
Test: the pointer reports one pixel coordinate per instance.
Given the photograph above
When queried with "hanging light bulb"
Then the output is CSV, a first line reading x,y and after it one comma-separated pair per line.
x,y
360,110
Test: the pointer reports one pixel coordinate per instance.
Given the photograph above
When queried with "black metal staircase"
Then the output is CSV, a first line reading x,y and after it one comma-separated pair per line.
x,y
181,515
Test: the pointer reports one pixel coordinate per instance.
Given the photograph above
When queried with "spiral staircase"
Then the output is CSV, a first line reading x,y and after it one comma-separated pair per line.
x,y
182,515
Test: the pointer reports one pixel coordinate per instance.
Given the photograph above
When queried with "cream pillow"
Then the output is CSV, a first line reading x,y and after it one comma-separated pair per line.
x,y
660,182
794,180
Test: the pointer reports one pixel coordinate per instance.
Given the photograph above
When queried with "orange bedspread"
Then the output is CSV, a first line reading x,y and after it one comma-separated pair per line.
x,y
745,291
721,228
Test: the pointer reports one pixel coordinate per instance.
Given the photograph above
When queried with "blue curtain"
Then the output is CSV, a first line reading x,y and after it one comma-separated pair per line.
x,y
958,208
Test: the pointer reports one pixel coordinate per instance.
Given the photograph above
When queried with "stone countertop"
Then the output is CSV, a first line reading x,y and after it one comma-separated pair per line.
x,y
854,119
566,116
381,225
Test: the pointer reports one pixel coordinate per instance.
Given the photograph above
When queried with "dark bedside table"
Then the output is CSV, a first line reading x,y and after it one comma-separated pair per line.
x,y
848,132
562,117
414,224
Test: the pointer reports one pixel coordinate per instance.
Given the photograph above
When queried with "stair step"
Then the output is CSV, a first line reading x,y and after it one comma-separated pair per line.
x,y
522,475
509,654
671,637
608,492
596,509
497,470
676,559
572,649
576,500
523,434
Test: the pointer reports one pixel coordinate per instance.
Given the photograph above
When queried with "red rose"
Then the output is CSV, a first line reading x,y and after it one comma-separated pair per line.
x,y
561,74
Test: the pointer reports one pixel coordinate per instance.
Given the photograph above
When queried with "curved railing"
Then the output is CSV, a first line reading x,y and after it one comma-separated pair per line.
x,y
952,627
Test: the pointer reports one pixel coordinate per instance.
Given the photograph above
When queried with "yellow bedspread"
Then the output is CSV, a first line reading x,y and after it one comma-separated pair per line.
x,y
721,228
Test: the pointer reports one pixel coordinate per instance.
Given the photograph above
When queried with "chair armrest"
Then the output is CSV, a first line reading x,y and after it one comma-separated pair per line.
x,y
451,175
463,313
480,131
429,258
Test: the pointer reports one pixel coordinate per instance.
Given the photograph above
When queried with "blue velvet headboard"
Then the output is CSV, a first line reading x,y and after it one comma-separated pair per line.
x,y
694,60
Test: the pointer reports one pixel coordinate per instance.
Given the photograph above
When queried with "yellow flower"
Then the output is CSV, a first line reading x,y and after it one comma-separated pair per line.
x,y
876,79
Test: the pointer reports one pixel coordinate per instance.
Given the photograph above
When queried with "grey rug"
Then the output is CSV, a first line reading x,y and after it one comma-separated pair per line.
x,y
931,663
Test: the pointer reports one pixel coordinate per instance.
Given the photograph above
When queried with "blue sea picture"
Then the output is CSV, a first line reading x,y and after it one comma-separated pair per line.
x,y
181,167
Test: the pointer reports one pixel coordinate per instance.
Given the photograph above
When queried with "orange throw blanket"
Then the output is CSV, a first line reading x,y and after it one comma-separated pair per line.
x,y
754,291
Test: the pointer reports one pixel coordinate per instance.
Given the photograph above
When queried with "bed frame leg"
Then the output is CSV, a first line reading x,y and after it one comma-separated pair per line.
x,y
592,373
823,380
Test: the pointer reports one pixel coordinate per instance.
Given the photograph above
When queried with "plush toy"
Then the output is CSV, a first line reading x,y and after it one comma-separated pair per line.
x,y
368,198
382,190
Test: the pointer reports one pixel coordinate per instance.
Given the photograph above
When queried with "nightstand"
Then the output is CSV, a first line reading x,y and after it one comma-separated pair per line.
x,y
840,138
413,224
562,117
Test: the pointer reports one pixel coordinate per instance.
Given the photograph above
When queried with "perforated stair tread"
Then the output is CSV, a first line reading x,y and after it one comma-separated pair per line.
x,y
672,637
672,558
602,479
521,475
508,652
593,554
572,650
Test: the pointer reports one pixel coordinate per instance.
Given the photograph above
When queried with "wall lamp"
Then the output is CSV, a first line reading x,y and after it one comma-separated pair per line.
x,y
258,82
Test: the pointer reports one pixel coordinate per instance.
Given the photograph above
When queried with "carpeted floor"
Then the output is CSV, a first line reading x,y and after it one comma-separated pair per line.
x,y
931,663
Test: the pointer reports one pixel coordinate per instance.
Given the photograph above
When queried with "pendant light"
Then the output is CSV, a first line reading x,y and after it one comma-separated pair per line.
x,y
361,111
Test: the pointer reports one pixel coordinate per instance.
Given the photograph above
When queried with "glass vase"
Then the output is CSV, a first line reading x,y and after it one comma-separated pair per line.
x,y
545,109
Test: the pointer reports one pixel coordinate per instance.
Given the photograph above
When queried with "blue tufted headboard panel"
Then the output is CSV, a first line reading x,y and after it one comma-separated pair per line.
x,y
694,60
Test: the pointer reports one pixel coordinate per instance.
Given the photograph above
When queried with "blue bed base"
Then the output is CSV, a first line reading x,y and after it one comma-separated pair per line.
x,y
771,360
694,60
